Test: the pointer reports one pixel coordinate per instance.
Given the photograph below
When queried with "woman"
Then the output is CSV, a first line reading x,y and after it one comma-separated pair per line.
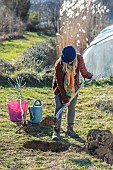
x,y
65,84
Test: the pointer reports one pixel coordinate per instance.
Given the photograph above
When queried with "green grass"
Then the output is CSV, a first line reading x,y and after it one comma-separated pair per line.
x,y
11,50
14,156
93,111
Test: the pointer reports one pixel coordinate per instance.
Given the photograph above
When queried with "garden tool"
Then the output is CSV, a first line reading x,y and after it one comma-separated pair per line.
x,y
52,120
48,121
65,105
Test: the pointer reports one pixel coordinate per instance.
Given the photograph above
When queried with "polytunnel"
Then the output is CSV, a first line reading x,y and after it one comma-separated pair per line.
x,y
98,56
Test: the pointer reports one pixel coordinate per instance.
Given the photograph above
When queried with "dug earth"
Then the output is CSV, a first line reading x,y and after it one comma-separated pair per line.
x,y
100,145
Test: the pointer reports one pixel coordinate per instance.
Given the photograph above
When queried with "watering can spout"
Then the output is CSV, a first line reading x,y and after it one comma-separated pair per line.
x,y
36,112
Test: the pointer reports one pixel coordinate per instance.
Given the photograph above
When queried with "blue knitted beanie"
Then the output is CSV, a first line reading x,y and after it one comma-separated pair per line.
x,y
68,54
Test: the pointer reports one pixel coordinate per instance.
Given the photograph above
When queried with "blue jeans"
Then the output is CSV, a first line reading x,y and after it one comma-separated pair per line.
x,y
70,112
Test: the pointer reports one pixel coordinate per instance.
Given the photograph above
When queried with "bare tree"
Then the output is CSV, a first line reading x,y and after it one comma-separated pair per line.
x,y
13,13
49,11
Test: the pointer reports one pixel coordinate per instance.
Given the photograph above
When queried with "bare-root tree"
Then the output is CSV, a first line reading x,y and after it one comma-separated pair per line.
x,y
80,21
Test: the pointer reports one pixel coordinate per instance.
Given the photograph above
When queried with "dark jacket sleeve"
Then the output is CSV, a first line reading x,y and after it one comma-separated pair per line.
x,y
83,69
60,82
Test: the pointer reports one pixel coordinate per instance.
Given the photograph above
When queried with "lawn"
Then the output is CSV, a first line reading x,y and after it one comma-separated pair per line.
x,y
27,150
13,153
11,50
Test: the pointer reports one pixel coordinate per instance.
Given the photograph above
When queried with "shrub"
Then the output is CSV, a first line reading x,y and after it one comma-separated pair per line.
x,y
5,66
39,56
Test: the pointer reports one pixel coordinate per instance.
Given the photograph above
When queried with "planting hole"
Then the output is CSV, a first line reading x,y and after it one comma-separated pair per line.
x,y
46,146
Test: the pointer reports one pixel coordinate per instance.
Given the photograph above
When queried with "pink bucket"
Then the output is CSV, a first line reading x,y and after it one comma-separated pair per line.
x,y
14,110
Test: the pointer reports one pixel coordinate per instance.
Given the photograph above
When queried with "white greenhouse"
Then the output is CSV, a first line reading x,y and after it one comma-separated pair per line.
x,y
98,56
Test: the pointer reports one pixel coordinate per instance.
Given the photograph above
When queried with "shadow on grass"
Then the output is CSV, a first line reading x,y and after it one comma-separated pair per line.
x,y
29,79
79,139
43,144
46,80
81,162
37,130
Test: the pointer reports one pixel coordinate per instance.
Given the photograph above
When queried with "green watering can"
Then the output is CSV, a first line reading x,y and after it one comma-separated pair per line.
x,y
36,112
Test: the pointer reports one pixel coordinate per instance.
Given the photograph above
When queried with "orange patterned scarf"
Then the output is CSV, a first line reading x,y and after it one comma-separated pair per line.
x,y
69,81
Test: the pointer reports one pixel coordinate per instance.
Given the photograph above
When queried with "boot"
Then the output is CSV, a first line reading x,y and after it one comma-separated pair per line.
x,y
56,133
70,132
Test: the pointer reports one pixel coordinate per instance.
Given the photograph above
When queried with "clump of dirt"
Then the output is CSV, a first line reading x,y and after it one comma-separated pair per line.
x,y
100,144
49,121
46,146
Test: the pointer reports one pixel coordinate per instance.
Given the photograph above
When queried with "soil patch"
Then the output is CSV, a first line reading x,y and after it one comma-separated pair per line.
x,y
100,144
46,146
49,121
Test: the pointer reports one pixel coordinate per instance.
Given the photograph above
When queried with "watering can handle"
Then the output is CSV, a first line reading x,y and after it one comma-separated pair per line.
x,y
31,114
37,100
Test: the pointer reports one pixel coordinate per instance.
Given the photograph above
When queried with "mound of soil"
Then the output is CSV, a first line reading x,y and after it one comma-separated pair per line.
x,y
48,121
46,146
100,144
